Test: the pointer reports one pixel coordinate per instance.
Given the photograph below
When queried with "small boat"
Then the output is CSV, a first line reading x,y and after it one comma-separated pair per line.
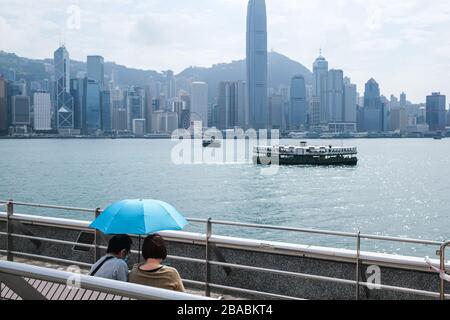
x,y
211,143
306,155
438,136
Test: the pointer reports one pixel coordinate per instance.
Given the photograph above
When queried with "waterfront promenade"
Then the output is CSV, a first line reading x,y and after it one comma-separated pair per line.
x,y
239,267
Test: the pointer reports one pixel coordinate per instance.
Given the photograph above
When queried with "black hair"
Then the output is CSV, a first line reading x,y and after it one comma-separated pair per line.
x,y
119,243
154,247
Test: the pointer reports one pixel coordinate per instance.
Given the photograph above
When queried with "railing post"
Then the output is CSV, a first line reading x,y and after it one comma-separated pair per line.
x,y
97,239
442,267
9,238
358,265
207,258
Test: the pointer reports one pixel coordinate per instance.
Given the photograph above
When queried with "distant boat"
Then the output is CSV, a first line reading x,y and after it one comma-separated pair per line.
x,y
211,143
438,136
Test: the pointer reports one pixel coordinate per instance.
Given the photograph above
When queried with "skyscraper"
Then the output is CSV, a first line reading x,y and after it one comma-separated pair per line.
x,y
77,92
106,111
435,115
118,110
42,111
335,95
314,113
350,103
63,99
373,112
320,69
231,105
257,64
276,111
92,105
298,105
96,70
3,107
199,102
135,105
21,113
403,100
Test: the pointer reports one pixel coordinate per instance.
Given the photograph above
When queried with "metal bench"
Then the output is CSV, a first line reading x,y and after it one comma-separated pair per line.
x,y
26,282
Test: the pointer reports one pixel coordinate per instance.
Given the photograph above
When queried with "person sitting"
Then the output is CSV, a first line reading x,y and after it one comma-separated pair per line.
x,y
114,264
151,272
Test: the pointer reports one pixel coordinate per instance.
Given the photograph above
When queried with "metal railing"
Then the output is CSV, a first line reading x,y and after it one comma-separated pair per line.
x,y
209,239
11,272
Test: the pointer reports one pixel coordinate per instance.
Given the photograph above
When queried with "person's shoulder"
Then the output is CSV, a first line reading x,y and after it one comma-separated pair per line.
x,y
119,263
170,270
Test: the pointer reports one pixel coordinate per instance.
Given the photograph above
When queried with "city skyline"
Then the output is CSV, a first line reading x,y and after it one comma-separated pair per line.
x,y
355,36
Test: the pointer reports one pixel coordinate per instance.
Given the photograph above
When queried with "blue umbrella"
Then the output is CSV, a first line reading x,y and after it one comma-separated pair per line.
x,y
139,217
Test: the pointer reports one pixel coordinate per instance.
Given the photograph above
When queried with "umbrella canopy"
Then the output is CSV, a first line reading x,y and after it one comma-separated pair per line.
x,y
139,217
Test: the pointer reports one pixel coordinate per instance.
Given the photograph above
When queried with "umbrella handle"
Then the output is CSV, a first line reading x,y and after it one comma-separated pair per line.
x,y
139,250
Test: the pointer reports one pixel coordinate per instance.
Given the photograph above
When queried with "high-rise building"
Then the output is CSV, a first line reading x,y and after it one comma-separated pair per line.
x,y
350,102
373,112
11,75
106,111
93,107
403,100
170,85
64,118
398,120
320,70
135,98
96,70
77,86
199,102
42,106
448,116
435,111
119,111
21,111
164,121
257,64
298,108
231,105
335,96
314,114
139,127
276,111
4,123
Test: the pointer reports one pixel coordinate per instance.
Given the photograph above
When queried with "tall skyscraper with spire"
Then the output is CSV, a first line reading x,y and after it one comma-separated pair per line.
x,y
320,69
257,64
64,118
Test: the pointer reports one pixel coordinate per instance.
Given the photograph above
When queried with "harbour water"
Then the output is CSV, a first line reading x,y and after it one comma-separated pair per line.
x,y
401,187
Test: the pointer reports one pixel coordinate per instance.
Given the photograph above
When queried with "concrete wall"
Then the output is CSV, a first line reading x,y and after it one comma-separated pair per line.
x,y
332,264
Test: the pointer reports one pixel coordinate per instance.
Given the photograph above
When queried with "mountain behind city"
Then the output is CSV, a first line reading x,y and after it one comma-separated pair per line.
x,y
280,71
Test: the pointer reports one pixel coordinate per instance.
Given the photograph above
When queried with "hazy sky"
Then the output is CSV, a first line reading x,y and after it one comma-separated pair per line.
x,y
403,44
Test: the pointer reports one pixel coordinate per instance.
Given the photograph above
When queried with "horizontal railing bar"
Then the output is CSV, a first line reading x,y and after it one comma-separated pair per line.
x,y
397,239
282,272
71,243
259,293
197,220
325,232
186,259
280,228
47,206
240,290
51,259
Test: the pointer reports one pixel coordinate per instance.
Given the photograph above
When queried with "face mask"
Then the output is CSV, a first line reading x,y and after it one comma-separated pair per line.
x,y
126,259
